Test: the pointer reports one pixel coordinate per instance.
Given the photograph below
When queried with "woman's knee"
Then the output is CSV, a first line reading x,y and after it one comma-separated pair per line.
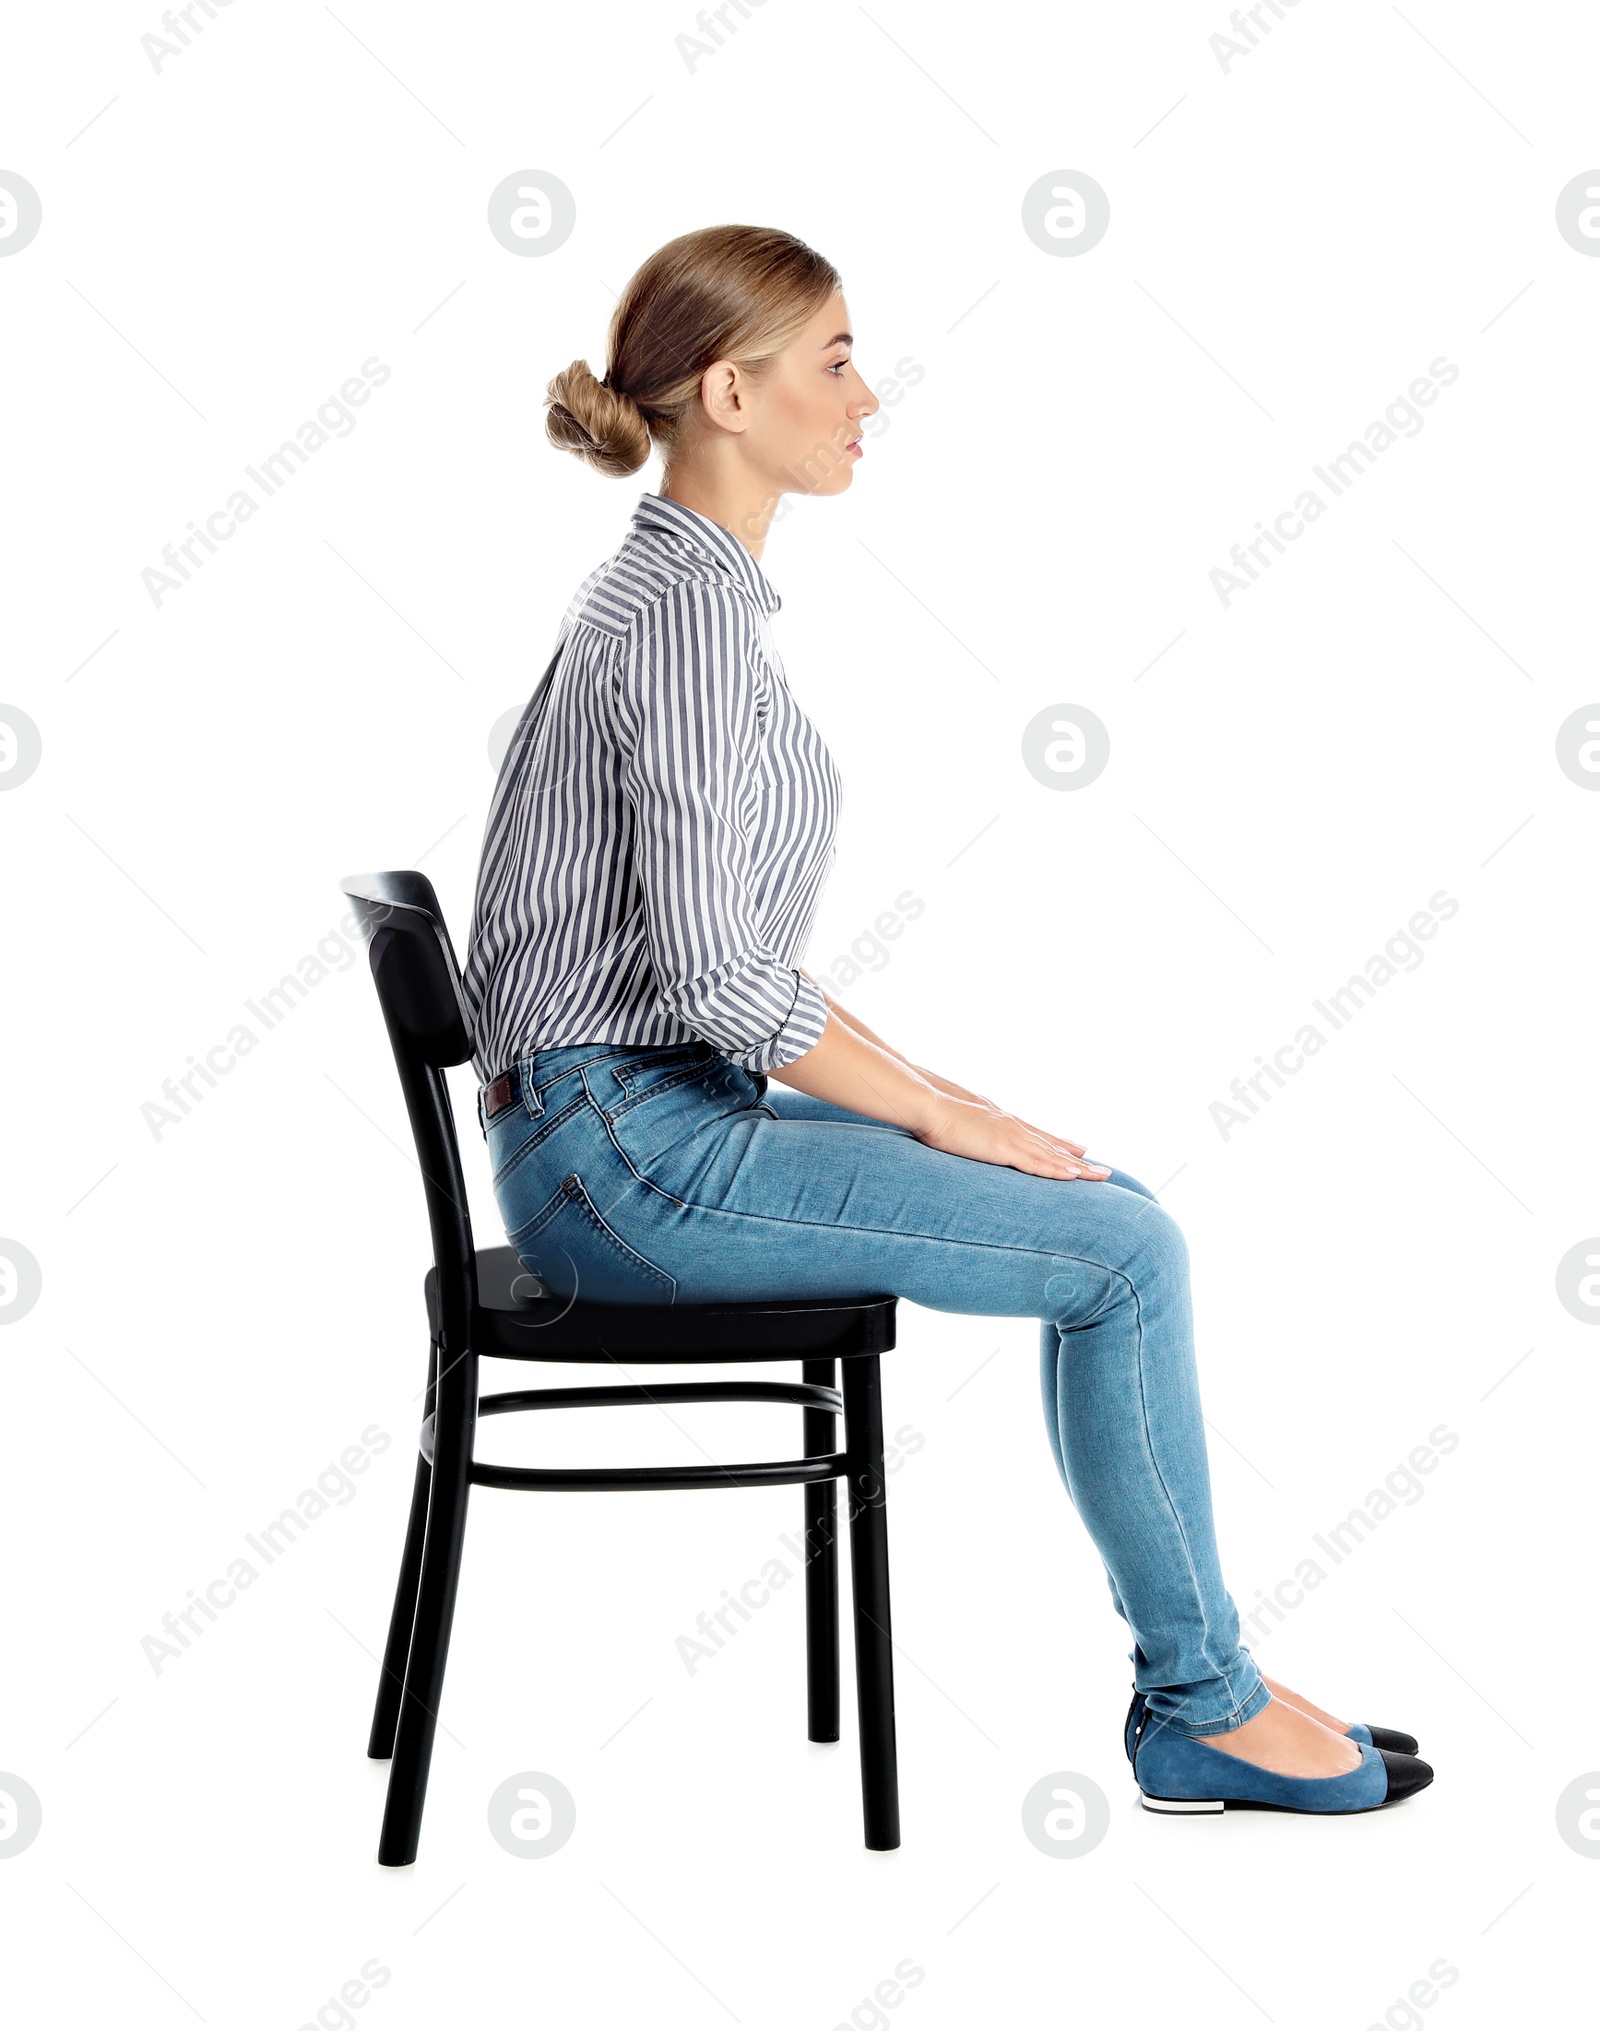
x,y
1142,1251
1162,1239
1149,1245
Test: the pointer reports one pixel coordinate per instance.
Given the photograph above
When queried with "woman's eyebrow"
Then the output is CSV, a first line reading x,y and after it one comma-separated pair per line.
x,y
840,338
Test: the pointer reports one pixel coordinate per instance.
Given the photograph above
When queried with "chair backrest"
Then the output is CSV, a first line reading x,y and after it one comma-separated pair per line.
x,y
413,963
419,990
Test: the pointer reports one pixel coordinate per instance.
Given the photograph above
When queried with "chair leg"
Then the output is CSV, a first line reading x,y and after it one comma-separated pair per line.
x,y
391,1681
455,1421
869,1585
822,1572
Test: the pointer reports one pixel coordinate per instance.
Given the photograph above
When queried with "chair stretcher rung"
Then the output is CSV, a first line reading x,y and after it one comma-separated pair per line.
x,y
741,1474
812,1395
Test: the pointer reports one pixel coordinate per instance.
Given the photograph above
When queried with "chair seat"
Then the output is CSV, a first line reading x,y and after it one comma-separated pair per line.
x,y
515,1319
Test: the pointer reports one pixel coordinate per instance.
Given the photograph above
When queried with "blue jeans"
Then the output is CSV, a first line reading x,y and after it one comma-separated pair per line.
x,y
638,1174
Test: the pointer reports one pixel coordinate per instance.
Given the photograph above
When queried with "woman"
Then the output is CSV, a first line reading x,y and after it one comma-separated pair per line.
x,y
656,848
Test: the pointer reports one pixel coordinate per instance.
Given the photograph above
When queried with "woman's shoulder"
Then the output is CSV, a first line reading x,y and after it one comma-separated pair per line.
x,y
645,582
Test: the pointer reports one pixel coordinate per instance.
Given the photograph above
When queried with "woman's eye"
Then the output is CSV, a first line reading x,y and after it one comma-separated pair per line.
x,y
838,366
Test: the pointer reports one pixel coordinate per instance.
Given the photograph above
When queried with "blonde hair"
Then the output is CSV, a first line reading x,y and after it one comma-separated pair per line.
x,y
739,293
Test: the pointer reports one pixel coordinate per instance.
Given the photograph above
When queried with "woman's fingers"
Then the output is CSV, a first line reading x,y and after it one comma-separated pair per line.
x,y
1052,1158
976,1130
1057,1142
1075,1147
1081,1166
1063,1168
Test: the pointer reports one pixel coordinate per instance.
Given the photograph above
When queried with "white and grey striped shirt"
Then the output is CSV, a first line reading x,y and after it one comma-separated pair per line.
x,y
663,821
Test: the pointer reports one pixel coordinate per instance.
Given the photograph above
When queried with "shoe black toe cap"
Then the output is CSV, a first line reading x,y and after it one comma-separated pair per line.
x,y
1406,1774
1393,1738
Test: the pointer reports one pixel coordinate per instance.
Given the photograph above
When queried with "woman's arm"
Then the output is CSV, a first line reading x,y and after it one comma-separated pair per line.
x,y
851,1068
933,1078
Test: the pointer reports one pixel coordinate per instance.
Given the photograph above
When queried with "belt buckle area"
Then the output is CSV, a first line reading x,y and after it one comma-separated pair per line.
x,y
496,1097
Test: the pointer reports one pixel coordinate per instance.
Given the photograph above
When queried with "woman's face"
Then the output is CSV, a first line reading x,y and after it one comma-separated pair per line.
x,y
799,426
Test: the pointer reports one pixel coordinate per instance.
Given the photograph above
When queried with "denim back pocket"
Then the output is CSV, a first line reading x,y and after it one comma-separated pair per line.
x,y
569,1246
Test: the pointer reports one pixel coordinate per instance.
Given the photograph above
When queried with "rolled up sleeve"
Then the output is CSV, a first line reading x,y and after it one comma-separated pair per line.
x,y
688,696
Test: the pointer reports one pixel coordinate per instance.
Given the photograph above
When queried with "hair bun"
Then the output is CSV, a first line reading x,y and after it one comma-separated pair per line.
x,y
598,423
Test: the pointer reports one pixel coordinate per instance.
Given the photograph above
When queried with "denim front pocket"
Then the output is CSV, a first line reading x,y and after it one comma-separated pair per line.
x,y
572,1250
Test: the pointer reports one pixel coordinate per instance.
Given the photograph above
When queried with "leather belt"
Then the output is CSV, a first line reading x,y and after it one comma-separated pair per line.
x,y
500,1093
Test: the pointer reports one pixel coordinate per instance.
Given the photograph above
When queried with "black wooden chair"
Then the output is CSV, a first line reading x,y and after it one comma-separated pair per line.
x,y
483,1302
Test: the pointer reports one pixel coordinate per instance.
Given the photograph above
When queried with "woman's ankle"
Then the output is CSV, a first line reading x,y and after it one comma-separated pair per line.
x,y
1177,1712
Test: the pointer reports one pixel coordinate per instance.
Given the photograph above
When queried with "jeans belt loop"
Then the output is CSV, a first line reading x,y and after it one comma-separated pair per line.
x,y
530,1099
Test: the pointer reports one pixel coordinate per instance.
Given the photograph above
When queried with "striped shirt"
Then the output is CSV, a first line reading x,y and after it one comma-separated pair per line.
x,y
663,820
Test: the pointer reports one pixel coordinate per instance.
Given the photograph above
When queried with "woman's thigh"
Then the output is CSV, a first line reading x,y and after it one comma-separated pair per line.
x,y
732,1192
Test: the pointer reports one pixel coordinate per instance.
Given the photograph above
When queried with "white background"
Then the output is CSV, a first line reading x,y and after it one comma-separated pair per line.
x,y
226,1306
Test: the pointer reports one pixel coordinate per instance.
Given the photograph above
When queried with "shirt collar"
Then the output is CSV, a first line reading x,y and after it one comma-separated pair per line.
x,y
711,541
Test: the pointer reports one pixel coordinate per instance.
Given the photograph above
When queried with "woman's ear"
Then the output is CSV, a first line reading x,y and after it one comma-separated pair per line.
x,y
723,396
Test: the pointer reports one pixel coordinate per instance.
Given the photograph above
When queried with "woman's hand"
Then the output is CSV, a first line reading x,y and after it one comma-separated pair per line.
x,y
965,1093
856,1070
973,1128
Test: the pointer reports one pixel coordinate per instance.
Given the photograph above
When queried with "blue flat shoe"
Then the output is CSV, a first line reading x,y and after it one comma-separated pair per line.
x,y
1383,1738
1183,1774
1372,1737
